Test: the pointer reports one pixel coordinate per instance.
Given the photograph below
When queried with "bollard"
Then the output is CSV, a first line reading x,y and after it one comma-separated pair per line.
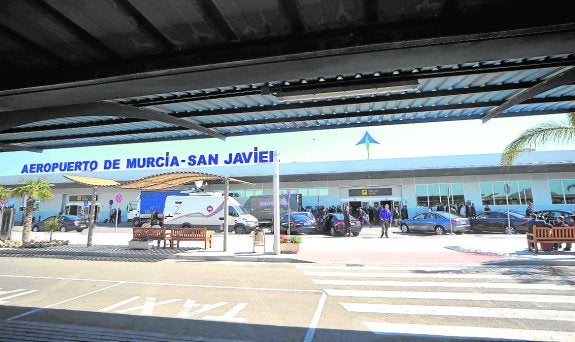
x,y
259,239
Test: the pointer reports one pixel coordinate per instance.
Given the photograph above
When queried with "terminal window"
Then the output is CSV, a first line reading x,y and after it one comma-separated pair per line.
x,y
430,195
562,191
493,193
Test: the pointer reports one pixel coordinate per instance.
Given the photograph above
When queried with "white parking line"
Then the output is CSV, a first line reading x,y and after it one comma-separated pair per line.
x,y
419,284
166,284
444,331
315,320
471,296
461,311
62,302
4,300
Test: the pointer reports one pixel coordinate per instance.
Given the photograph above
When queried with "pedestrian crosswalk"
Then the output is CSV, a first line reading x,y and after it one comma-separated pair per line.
x,y
532,303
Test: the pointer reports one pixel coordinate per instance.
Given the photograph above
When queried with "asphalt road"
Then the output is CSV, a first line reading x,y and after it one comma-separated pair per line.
x,y
199,300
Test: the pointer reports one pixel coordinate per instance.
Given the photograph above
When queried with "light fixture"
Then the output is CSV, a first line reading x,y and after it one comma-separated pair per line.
x,y
329,90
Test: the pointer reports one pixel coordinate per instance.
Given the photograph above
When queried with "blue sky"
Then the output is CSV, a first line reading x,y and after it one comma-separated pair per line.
x,y
395,141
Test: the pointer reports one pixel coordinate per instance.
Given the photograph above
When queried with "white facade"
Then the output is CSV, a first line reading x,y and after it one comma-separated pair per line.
x,y
329,183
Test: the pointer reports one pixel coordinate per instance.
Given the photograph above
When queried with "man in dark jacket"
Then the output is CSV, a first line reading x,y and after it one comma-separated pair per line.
x,y
404,213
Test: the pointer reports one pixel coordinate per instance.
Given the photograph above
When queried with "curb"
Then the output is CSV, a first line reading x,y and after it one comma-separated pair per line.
x,y
6,252
259,258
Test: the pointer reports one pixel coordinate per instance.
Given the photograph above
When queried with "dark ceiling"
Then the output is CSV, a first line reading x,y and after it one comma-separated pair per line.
x,y
98,72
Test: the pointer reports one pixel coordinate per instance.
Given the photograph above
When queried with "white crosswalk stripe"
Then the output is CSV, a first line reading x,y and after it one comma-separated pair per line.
x,y
468,332
494,303
502,297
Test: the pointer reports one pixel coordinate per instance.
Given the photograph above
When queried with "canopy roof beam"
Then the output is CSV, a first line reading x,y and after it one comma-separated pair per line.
x,y
21,117
562,78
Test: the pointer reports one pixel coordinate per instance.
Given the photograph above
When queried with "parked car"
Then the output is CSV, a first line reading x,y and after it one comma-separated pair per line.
x,y
299,222
550,216
334,225
496,221
67,223
438,222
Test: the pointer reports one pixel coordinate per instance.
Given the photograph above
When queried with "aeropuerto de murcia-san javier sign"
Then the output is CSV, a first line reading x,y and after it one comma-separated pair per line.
x,y
166,161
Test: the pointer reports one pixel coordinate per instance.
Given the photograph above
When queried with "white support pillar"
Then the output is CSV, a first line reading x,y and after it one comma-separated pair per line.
x,y
92,217
276,200
226,213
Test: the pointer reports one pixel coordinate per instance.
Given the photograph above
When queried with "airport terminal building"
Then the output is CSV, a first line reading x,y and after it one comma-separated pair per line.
x,y
544,178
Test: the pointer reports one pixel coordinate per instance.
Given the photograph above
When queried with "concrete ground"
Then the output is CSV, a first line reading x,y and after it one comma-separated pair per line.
x,y
367,248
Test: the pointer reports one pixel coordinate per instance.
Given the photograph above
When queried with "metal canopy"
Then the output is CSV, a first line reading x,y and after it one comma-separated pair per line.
x,y
87,73
156,182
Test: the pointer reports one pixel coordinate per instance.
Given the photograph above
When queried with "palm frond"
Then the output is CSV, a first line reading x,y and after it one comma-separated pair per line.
x,y
550,132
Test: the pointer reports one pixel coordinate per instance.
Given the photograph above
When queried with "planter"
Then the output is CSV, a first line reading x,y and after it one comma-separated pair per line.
x,y
140,244
289,248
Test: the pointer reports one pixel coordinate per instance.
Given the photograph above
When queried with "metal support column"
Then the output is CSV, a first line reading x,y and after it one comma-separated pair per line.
x,y
92,217
226,213
276,184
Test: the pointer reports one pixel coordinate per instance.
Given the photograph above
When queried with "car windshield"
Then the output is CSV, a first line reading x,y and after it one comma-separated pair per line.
x,y
240,210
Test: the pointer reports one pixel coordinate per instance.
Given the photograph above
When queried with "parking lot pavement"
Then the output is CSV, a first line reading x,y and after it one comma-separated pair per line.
x,y
367,248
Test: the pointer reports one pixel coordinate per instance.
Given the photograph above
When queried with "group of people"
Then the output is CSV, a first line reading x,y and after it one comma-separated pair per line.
x,y
385,215
463,210
560,222
548,246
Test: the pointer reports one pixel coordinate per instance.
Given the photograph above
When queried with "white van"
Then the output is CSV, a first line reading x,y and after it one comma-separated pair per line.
x,y
207,210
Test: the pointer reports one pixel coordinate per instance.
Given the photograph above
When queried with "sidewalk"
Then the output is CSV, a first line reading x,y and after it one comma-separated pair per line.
x,y
400,249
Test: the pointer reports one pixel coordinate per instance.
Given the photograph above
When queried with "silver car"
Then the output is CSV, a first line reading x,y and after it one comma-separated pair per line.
x,y
438,222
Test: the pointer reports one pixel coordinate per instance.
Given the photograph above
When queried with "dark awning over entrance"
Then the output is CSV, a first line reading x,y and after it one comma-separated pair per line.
x,y
85,73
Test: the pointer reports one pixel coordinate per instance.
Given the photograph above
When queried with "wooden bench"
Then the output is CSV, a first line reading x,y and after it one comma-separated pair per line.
x,y
550,235
191,234
158,234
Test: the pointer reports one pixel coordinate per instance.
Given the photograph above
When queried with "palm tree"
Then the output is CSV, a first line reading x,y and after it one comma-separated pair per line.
x,y
32,190
549,132
4,193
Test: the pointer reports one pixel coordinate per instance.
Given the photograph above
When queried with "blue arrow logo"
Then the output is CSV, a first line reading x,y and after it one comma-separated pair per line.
x,y
367,139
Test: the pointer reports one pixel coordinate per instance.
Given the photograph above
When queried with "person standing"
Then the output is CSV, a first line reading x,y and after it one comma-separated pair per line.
x,y
395,217
487,209
364,217
385,216
347,221
404,213
472,211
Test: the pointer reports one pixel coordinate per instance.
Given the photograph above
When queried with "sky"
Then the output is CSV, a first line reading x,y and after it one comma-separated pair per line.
x,y
395,141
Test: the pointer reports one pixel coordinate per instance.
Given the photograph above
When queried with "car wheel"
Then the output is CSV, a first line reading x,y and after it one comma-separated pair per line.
x,y
509,230
332,231
240,230
439,230
404,228
355,234
63,229
79,230
137,222
35,228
